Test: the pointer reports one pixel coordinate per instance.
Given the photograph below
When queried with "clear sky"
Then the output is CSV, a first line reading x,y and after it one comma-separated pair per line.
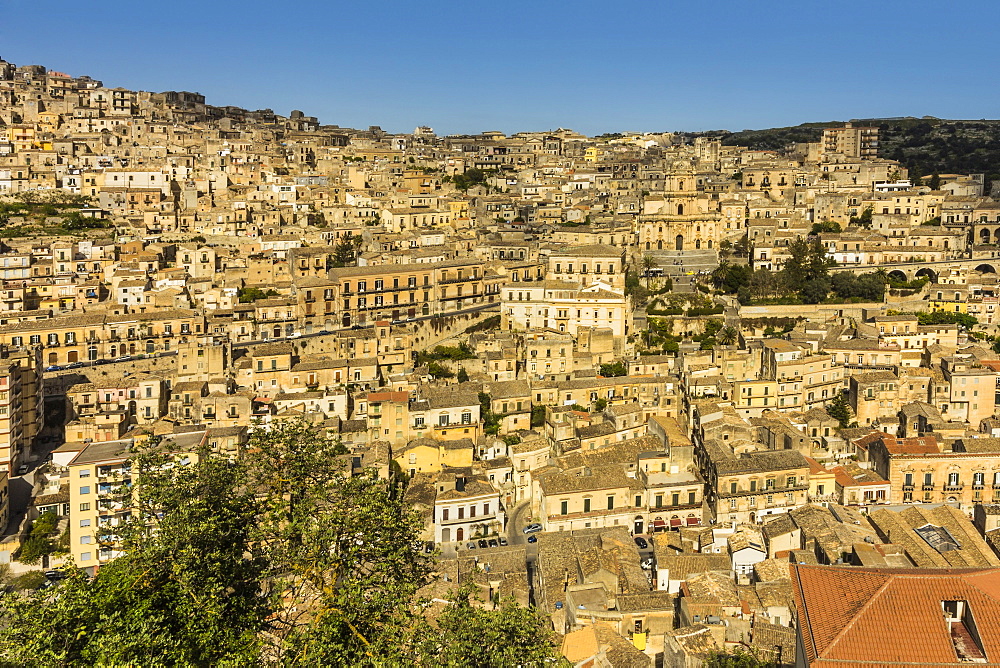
x,y
463,67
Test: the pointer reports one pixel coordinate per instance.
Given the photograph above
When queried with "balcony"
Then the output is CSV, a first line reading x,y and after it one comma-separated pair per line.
x,y
954,488
927,488
907,488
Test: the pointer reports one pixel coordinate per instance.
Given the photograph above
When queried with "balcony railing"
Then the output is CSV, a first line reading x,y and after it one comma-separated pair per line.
x,y
927,488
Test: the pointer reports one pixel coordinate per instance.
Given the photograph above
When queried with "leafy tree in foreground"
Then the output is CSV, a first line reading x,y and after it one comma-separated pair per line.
x,y
467,635
277,557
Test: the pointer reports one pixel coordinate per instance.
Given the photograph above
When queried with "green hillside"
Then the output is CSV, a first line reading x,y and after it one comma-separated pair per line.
x,y
922,145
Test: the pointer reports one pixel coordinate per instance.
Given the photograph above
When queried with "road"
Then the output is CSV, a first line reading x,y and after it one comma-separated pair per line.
x,y
517,518
474,309
101,362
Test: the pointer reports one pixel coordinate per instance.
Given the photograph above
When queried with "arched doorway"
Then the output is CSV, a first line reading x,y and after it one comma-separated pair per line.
x,y
897,275
53,359
114,350
346,320
92,353
697,244
638,525
459,534
679,242
131,408
72,356
929,273
277,331
986,269
131,349
680,207
659,245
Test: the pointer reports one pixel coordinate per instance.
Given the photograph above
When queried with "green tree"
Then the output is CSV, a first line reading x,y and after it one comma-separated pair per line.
x,y
935,181
252,294
469,635
613,370
739,658
463,375
39,542
438,370
345,253
537,415
840,410
963,320
864,220
648,263
728,335
826,227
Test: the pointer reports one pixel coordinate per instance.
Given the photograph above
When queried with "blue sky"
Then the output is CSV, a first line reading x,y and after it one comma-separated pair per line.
x,y
596,67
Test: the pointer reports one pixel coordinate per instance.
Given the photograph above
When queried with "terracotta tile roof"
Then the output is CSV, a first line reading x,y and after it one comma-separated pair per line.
x,y
850,616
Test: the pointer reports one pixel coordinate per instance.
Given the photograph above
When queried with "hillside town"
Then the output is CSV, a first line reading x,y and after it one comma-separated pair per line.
x,y
681,397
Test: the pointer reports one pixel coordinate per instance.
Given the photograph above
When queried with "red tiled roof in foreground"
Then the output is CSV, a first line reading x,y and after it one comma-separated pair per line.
x,y
849,616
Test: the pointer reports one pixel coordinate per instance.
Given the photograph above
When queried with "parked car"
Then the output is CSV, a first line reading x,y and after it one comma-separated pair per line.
x,y
22,469
122,358
532,538
74,365
471,546
503,541
641,542
55,575
483,543
493,542
534,527
53,367
295,335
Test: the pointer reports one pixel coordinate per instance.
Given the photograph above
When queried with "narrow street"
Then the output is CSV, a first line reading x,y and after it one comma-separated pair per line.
x,y
516,521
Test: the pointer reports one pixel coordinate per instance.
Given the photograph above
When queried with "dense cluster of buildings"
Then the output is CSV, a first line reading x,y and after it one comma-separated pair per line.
x,y
461,312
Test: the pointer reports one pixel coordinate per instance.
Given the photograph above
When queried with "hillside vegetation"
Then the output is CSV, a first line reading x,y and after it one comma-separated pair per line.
x,y
923,145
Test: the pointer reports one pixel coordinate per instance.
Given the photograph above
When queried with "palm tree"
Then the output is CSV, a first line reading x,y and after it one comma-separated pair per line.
x,y
648,262
727,335
718,275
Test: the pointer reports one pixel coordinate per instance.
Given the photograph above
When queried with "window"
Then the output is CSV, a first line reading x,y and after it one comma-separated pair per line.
x,y
85,489
586,505
86,540
611,502
443,420
84,507
953,480
85,556
444,515
564,507
85,473
84,523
